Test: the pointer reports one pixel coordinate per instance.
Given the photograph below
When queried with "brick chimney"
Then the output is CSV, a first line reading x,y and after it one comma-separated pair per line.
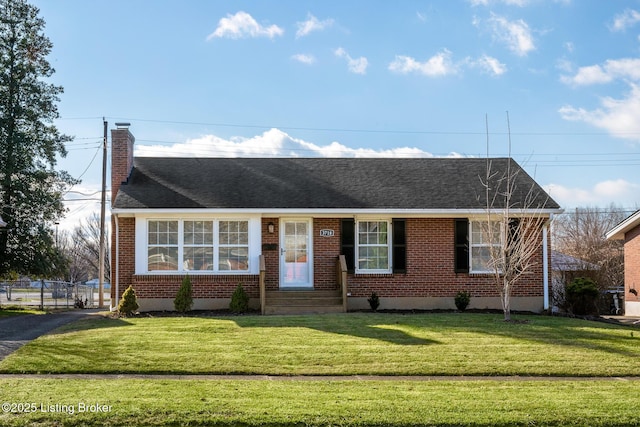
x,y
121,156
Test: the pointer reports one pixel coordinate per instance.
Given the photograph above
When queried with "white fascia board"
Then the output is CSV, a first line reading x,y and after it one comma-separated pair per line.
x,y
618,232
341,212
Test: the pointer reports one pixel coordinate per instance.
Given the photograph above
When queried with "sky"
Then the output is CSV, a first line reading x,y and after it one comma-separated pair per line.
x,y
554,83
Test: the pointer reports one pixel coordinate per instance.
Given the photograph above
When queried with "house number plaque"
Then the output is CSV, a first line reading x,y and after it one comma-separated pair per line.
x,y
326,233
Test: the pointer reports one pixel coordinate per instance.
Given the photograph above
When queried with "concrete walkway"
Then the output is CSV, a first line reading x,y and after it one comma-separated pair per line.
x,y
16,331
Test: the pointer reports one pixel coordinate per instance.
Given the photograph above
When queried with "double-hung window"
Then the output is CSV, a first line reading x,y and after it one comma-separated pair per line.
x,y
233,245
373,247
163,245
486,246
198,245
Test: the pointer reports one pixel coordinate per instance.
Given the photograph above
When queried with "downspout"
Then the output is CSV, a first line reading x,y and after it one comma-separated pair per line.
x,y
545,265
117,265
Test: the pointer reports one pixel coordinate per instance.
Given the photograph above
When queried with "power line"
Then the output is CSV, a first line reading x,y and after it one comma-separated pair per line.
x,y
382,131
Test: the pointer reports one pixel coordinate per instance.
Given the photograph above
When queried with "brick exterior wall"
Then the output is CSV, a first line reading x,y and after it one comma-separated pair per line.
x,y
430,267
632,264
121,158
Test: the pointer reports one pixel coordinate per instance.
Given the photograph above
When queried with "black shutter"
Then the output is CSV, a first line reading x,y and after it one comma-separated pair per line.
x,y
399,250
348,243
462,246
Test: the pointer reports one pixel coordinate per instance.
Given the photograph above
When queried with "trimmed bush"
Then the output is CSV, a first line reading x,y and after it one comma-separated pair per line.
x,y
129,302
374,301
581,296
239,300
462,300
184,298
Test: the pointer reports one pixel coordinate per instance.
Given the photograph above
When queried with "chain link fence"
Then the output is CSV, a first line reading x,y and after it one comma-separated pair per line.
x,y
50,294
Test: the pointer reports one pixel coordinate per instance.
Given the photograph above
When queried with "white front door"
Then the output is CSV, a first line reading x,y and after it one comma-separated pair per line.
x,y
296,258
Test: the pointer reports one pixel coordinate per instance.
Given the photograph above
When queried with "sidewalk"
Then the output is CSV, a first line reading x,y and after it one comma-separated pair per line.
x,y
624,320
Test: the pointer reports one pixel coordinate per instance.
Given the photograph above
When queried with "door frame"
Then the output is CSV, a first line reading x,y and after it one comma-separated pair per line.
x,y
282,252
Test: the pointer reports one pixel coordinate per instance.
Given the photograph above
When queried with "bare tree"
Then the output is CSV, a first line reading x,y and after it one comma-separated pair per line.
x,y
73,249
512,229
581,234
514,223
86,248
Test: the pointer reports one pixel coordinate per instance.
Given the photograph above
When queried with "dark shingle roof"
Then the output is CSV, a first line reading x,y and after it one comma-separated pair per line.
x,y
329,183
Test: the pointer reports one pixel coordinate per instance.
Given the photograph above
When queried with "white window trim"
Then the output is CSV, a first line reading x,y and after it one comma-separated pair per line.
x,y
471,245
359,270
142,244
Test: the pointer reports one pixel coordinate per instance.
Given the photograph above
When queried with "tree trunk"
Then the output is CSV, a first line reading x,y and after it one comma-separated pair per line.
x,y
506,300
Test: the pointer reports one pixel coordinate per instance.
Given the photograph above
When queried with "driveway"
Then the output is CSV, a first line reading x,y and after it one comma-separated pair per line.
x,y
16,331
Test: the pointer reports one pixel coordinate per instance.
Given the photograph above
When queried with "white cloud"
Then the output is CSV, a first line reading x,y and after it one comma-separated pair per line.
x,y
489,65
624,20
588,75
241,26
516,35
619,117
356,65
304,58
604,193
312,24
271,143
625,68
437,66
442,64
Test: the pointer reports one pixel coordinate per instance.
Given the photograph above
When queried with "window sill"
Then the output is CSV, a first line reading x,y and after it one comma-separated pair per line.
x,y
373,274
196,273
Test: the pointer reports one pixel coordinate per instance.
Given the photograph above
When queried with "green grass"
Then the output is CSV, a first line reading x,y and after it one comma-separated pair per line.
x,y
8,311
377,344
322,403
385,344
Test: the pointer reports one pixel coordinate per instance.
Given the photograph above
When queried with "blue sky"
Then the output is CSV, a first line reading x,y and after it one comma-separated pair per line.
x,y
345,78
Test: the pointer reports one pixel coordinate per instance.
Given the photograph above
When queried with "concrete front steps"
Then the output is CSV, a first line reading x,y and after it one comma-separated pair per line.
x,y
303,302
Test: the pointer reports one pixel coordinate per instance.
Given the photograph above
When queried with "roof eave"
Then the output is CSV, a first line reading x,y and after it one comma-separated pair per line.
x,y
327,212
618,232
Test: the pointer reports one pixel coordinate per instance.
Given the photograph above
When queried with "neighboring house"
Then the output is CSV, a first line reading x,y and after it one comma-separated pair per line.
x,y
300,233
564,269
629,231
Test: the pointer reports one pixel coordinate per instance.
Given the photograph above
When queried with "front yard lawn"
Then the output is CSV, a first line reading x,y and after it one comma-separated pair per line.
x,y
352,344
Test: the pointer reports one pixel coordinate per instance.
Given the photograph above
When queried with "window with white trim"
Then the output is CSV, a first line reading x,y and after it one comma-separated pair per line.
x,y
198,245
486,239
373,247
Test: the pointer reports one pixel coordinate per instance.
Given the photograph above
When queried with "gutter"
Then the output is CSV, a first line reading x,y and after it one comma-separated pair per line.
x,y
545,265
332,212
114,305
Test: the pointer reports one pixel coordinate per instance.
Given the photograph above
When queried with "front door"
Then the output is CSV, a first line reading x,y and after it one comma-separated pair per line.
x,y
296,257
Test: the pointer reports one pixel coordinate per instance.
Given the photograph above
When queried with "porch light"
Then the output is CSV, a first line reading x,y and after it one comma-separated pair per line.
x,y
271,228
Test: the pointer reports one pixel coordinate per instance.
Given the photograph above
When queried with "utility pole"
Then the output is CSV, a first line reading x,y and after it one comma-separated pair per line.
x,y
102,214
